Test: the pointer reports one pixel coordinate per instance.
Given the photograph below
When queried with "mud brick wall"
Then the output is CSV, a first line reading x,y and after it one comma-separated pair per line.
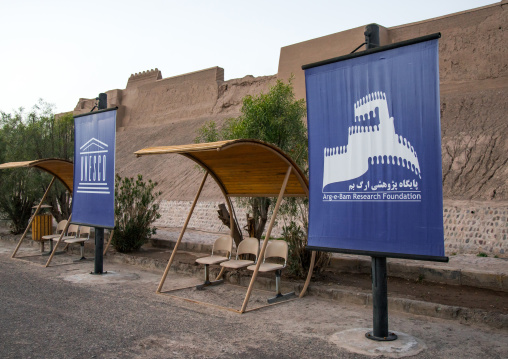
x,y
474,227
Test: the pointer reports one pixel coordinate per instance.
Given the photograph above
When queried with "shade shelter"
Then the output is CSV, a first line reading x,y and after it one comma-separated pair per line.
x,y
60,169
241,168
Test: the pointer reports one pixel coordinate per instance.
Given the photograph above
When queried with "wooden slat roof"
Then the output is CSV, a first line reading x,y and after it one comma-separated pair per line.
x,y
243,168
61,169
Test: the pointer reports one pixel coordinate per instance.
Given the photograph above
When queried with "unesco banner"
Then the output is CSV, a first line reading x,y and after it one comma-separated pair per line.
x,y
375,152
94,169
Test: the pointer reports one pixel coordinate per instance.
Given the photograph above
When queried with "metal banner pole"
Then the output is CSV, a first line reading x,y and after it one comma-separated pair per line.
x,y
379,282
99,232
380,302
99,251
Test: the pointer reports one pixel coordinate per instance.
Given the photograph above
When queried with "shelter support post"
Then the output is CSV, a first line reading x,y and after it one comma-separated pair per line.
x,y
312,258
163,279
221,273
33,216
99,232
380,302
267,238
59,239
109,241
309,275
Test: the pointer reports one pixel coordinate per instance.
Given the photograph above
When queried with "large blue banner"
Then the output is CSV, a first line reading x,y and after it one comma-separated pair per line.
x,y
94,169
375,152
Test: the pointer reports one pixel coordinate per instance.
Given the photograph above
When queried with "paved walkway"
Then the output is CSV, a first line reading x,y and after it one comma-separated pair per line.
x,y
64,312
481,272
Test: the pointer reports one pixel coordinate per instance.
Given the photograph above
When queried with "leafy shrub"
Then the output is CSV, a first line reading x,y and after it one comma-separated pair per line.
x,y
298,257
19,193
136,208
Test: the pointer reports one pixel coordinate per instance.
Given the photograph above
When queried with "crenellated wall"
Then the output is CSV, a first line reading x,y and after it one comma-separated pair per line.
x,y
473,60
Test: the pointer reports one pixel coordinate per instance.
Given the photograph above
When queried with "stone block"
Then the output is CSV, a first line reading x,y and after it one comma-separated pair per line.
x,y
481,279
441,275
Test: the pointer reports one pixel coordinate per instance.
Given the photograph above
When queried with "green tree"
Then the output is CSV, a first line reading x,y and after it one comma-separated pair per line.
x,y
275,117
136,208
18,193
30,136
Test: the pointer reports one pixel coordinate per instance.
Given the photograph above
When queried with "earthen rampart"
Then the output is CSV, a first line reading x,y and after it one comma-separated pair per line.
x,y
474,86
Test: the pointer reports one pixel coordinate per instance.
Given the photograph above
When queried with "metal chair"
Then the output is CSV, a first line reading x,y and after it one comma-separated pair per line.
x,y
222,244
275,249
247,246
54,237
82,234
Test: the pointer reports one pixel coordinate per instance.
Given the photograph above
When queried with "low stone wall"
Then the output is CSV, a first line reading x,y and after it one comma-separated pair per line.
x,y
204,217
473,227
469,227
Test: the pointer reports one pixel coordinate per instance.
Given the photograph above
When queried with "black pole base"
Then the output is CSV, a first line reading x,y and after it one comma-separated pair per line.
x,y
92,273
391,336
99,248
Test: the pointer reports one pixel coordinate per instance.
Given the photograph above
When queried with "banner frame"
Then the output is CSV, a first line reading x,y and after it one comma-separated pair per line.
x,y
413,41
418,257
115,108
96,112
395,45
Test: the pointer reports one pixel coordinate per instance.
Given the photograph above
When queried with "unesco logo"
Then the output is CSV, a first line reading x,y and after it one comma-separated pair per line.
x,y
93,164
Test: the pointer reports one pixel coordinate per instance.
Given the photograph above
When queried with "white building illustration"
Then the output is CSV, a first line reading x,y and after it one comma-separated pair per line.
x,y
378,144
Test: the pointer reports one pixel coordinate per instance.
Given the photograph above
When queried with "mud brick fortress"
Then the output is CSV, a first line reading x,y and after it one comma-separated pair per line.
x,y
473,61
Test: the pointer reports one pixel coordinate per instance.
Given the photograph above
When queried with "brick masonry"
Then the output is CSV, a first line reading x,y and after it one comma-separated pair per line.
x,y
470,227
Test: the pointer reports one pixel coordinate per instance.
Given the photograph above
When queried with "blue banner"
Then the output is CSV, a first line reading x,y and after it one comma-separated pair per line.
x,y
93,201
375,152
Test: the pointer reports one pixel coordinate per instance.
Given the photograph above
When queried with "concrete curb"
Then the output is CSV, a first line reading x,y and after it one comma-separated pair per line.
x,y
427,273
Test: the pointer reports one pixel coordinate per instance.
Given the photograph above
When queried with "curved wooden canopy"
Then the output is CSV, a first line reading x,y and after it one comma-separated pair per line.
x,y
243,168
61,169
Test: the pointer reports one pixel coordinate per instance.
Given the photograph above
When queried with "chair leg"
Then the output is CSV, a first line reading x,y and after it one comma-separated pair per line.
x,y
207,274
82,250
279,296
207,279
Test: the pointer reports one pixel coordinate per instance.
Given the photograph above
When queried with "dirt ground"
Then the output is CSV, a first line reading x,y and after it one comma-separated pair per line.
x,y
64,312
462,296
421,290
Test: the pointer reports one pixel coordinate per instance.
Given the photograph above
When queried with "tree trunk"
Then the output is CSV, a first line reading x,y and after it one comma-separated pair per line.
x,y
224,217
251,226
260,207
60,205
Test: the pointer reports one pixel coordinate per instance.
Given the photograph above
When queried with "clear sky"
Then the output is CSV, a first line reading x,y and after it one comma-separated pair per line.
x,y
61,50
